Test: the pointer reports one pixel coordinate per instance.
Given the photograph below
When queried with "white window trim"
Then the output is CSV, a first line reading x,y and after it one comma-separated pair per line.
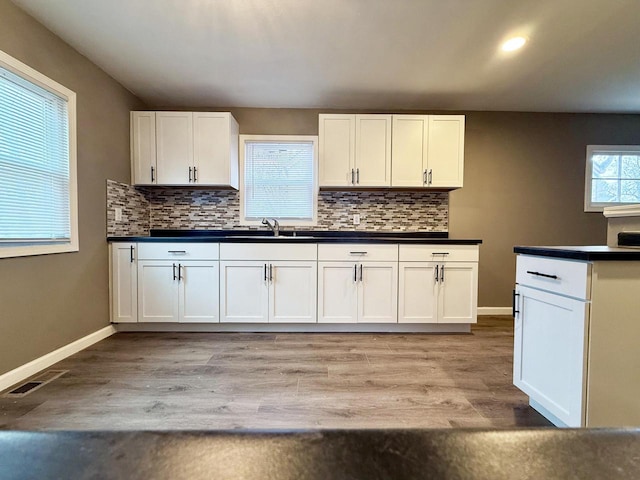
x,y
590,206
28,73
280,138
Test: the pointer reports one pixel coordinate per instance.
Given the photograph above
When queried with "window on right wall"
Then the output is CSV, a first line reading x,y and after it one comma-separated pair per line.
x,y
612,176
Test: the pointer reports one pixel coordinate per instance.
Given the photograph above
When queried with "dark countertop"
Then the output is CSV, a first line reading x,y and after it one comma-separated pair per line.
x,y
253,236
588,253
341,454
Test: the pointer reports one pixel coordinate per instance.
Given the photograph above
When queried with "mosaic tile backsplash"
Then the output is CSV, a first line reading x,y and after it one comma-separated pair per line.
x,y
195,209
135,211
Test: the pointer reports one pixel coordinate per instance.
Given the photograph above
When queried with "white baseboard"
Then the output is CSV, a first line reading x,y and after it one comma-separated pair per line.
x,y
494,311
297,327
27,370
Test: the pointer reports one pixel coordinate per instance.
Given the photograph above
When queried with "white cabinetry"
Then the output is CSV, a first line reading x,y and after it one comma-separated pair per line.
x,y
124,283
184,148
175,287
268,283
355,150
438,284
391,150
428,151
357,283
575,341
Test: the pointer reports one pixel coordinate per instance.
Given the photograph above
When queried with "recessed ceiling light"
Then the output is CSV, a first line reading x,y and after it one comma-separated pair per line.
x,y
514,43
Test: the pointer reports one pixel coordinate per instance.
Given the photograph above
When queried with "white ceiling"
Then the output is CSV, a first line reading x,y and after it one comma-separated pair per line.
x,y
583,55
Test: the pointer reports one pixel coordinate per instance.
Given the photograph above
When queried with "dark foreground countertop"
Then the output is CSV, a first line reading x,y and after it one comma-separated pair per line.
x,y
588,253
298,236
323,455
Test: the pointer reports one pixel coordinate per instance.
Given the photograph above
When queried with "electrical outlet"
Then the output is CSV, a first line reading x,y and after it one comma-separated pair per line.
x,y
356,219
118,214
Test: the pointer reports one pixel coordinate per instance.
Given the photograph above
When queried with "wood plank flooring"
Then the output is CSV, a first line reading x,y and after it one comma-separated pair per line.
x,y
283,381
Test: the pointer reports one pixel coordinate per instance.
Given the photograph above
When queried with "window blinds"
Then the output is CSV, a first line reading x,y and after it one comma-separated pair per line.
x,y
34,163
278,180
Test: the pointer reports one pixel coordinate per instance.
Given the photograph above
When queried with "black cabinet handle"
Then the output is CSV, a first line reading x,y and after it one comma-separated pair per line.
x,y
358,176
153,171
513,304
358,253
174,271
270,272
189,174
545,275
352,176
265,272
430,176
195,174
355,272
131,253
179,272
424,177
360,272
437,267
442,274
440,253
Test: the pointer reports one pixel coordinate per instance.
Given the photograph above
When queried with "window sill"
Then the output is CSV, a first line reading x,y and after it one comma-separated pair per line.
x,y
32,250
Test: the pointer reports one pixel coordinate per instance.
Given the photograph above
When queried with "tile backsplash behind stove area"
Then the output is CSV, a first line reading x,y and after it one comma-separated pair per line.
x,y
197,209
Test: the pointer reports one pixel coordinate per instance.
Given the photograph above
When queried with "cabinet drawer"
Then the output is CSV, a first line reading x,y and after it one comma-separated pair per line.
x,y
439,253
357,251
558,276
183,251
268,251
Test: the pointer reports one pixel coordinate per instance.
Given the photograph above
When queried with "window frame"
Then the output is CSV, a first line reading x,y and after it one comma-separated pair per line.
x,y
10,249
590,206
244,221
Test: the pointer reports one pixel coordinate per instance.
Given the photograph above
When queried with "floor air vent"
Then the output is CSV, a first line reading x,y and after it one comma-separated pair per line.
x,y
35,383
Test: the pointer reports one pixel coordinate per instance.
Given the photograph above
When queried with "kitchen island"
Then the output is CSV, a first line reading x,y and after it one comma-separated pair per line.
x,y
577,328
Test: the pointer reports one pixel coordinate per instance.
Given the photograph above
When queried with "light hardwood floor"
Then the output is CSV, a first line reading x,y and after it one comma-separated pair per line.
x,y
273,381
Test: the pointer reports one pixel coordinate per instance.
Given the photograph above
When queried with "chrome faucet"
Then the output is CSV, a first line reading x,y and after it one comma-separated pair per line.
x,y
275,227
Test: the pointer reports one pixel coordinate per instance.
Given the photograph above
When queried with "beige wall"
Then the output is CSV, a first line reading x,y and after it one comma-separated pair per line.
x,y
523,183
51,300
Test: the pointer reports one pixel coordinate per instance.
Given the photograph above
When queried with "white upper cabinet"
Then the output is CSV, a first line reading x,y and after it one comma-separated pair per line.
x,y
337,150
215,144
404,151
445,151
409,152
143,148
355,150
428,151
373,151
174,148
184,148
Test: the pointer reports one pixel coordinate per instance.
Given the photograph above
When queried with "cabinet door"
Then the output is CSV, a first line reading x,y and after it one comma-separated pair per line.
x,y
378,292
549,352
409,150
244,292
337,292
336,149
199,292
373,150
458,292
174,140
292,292
143,148
124,283
211,148
445,150
157,291
418,293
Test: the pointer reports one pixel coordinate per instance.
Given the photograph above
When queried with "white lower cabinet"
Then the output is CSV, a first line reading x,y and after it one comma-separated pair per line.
x,y
549,352
281,289
365,292
438,284
124,283
576,340
184,291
